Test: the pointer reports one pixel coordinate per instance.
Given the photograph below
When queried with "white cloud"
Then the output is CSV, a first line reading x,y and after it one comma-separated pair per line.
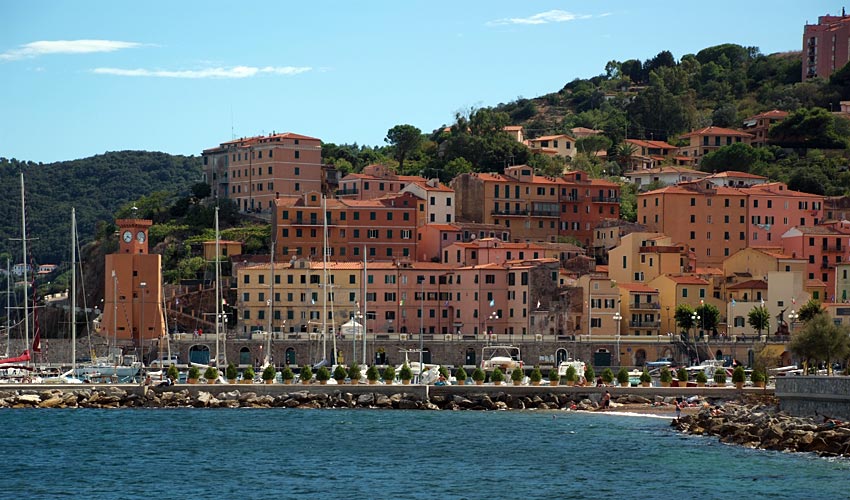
x,y
550,16
221,72
46,47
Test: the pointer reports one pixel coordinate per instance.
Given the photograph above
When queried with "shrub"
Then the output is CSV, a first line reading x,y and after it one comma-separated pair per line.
x,y
720,376
323,374
535,375
230,372
607,376
354,371
269,372
478,375
738,375
682,375
306,373
372,373
210,373
287,373
194,373
572,374
248,374
554,378
340,373
758,376
622,375
405,373
701,378
665,375
172,373
589,374
497,375
517,374
645,377
461,374
389,374
445,372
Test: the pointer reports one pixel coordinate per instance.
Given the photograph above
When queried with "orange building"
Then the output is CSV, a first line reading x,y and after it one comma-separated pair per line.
x,y
708,139
825,46
759,125
774,209
373,182
133,294
254,171
823,247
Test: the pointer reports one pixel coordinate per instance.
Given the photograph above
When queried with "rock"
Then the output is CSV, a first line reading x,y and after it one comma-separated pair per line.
x,y
366,399
30,399
53,402
407,404
382,401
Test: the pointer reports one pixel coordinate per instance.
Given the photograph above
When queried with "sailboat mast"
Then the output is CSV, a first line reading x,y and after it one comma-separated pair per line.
x,y
325,284
73,288
364,319
8,305
217,290
24,258
268,359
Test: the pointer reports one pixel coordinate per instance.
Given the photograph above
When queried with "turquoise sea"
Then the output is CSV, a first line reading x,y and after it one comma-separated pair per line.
x,y
365,454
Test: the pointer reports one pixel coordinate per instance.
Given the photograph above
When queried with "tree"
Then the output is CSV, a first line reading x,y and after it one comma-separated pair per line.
x,y
684,317
759,318
405,139
809,310
624,153
709,317
593,143
821,340
806,182
739,157
808,128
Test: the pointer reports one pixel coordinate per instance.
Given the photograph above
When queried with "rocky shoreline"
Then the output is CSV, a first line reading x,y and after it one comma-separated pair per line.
x,y
758,423
116,397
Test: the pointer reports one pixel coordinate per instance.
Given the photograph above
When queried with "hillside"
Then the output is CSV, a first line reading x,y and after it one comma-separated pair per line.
x,y
97,187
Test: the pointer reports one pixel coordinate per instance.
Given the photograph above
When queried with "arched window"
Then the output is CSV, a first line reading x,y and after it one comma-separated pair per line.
x,y
199,354
244,356
290,356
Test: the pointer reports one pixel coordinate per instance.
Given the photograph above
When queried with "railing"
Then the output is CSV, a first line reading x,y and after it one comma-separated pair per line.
x,y
509,212
310,222
344,192
644,324
545,213
646,305
570,197
833,248
606,199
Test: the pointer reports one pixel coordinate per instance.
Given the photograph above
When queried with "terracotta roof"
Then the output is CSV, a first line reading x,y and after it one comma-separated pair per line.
x,y
749,285
512,127
775,252
585,130
551,138
732,173
443,227
666,169
687,280
774,113
637,287
814,283
651,144
717,131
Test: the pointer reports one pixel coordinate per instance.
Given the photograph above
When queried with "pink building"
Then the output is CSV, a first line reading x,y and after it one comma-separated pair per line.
x,y
774,209
824,247
826,45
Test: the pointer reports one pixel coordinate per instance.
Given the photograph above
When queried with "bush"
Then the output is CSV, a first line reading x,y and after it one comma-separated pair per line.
x,y
230,372
372,373
758,376
665,375
340,373
287,373
645,377
172,373
194,373
461,374
354,371
571,374
682,375
269,372
306,373
210,373
497,375
535,375
622,375
389,374
738,375
444,372
589,374
517,374
607,376
323,374
720,376
248,374
405,373
701,378
478,375
554,378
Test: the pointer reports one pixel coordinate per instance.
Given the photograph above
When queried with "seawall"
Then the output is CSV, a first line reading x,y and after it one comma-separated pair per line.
x,y
814,396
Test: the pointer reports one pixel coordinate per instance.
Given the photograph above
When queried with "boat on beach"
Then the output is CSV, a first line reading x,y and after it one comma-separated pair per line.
x,y
504,357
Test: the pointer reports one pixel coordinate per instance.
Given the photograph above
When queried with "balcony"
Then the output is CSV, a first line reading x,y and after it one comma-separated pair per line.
x,y
545,213
833,248
347,192
606,199
645,324
827,265
646,305
307,222
510,212
569,197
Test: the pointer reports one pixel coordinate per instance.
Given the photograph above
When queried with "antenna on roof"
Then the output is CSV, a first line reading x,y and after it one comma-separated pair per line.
x,y
232,135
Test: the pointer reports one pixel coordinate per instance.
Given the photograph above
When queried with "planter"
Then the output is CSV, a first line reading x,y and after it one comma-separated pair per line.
x,y
535,382
246,381
340,382
287,382
461,382
479,382
700,384
624,384
571,383
355,382
739,385
191,381
497,382
759,384
373,382
269,381
231,381
323,382
517,382
405,382
665,384
212,381
646,384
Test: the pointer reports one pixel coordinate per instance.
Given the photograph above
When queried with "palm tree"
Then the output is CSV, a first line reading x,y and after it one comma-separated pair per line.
x,y
624,153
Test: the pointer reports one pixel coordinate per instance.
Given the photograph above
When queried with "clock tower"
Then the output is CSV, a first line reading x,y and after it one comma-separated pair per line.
x,y
133,235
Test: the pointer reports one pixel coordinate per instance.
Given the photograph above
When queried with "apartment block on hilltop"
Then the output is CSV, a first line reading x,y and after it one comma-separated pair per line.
x,y
373,182
663,175
254,171
708,139
826,46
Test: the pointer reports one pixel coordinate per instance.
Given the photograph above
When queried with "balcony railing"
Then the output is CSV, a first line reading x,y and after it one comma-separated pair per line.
x,y
307,222
645,324
833,248
545,213
606,199
509,212
570,197
646,305
344,192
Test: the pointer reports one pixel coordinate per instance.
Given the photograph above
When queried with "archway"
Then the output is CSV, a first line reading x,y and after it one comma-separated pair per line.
x,y
426,356
561,355
381,356
602,357
640,357
469,359
244,356
199,354
718,354
290,356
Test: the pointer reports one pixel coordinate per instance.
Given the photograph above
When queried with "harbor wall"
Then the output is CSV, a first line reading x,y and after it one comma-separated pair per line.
x,y
814,396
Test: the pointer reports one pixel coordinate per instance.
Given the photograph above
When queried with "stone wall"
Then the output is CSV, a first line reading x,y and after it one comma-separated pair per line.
x,y
814,396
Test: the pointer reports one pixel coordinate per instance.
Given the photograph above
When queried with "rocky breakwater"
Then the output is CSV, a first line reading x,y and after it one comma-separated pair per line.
x,y
762,425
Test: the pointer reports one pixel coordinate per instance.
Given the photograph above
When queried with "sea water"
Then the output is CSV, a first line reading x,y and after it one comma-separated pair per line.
x,y
365,454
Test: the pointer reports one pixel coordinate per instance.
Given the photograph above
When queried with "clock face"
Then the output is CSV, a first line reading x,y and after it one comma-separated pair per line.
x,y
128,236
140,236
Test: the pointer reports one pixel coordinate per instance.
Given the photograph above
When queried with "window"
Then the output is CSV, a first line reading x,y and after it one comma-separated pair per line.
x,y
372,233
684,292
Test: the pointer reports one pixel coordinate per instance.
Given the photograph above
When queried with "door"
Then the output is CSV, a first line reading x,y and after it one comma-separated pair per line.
x,y
290,356
199,354
470,357
561,355
426,356
602,358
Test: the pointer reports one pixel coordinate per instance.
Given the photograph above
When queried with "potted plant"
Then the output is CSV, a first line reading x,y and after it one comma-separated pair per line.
x,y
445,372
535,376
372,374
172,373
269,373
306,375
517,375
682,375
193,375
230,373
554,378
340,373
211,374
478,376
248,375
405,374
498,376
665,377
571,375
461,376
589,374
354,373
287,374
645,379
720,376
607,376
323,375
739,377
758,377
389,374
623,377
701,378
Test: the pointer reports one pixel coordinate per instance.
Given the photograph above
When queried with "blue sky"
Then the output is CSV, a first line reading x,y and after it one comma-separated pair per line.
x,y
79,78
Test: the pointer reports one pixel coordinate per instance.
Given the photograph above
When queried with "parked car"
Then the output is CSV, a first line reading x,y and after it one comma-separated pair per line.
x,y
165,362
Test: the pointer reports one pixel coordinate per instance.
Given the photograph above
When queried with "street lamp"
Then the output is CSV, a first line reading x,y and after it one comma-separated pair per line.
x,y
421,280
358,316
695,319
793,316
142,286
618,317
668,320
493,316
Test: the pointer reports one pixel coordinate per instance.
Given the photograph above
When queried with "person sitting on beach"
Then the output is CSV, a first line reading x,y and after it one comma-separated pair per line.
x,y
606,400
